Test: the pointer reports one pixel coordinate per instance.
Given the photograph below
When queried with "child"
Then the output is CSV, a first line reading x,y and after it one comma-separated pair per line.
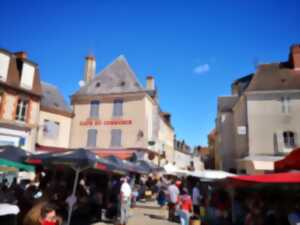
x,y
48,215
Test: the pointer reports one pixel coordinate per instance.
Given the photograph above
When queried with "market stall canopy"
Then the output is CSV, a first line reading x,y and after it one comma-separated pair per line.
x,y
283,178
171,169
290,162
7,165
147,166
211,174
76,158
14,157
13,153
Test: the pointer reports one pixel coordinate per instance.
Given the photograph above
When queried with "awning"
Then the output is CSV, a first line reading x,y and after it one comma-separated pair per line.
x,y
290,162
280,178
121,154
258,162
211,174
7,164
44,148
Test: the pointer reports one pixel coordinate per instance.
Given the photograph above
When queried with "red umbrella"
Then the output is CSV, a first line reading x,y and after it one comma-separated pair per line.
x,y
290,162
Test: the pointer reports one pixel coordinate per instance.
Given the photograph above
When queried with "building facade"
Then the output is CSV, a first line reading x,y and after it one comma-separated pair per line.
x,y
114,112
20,94
258,124
55,119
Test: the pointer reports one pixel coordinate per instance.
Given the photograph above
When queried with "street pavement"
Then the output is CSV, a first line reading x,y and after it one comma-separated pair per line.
x,y
148,213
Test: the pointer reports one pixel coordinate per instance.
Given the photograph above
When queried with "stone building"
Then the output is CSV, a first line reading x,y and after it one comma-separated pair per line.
x,y
115,115
55,120
258,123
20,94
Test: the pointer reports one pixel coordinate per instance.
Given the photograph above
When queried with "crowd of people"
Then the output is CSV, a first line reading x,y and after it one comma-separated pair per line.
x,y
45,200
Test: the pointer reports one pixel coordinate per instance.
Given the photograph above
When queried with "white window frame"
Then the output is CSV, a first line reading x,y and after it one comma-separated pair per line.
x,y
22,110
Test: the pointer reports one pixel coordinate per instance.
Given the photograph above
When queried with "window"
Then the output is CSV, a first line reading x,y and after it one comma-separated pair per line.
x,y
116,136
118,108
92,138
4,65
94,113
285,104
289,139
21,111
51,129
27,76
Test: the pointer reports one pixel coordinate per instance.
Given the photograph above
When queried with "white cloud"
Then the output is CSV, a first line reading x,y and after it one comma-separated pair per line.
x,y
204,68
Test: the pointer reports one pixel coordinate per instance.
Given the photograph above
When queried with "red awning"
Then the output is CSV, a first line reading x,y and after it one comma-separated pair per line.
x,y
121,154
44,148
292,177
125,153
290,162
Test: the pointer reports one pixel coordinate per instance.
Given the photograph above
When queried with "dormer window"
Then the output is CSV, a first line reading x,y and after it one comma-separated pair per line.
x,y
4,65
27,75
122,83
98,84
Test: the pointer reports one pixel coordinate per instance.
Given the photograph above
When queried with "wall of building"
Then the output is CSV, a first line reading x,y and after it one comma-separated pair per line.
x,y
134,111
267,122
63,137
182,160
240,128
166,140
25,135
225,141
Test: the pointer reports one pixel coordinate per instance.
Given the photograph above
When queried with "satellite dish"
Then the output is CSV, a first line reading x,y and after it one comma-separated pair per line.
x,y
81,83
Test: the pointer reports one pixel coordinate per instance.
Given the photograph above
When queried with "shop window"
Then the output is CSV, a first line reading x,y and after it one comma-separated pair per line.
x,y
289,139
116,137
22,109
92,138
51,129
94,112
118,107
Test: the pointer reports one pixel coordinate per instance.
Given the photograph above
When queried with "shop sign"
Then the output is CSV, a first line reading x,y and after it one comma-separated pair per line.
x,y
105,122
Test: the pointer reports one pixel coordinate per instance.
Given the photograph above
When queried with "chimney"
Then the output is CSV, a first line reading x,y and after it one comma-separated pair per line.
x,y
295,56
167,117
21,55
90,68
150,83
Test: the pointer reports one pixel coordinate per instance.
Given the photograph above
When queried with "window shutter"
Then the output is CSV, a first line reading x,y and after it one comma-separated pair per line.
x,y
94,112
92,138
116,136
280,141
118,108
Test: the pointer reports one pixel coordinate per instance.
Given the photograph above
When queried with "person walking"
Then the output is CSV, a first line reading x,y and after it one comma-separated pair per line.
x,y
185,207
196,197
173,192
125,196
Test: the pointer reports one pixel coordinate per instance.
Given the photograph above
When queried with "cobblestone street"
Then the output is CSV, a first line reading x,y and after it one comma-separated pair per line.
x,y
147,214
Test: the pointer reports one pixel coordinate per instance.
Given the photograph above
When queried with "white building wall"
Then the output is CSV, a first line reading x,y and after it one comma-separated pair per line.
x,y
267,122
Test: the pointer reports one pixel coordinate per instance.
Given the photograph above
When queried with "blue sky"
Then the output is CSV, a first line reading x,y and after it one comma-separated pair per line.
x,y
194,49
